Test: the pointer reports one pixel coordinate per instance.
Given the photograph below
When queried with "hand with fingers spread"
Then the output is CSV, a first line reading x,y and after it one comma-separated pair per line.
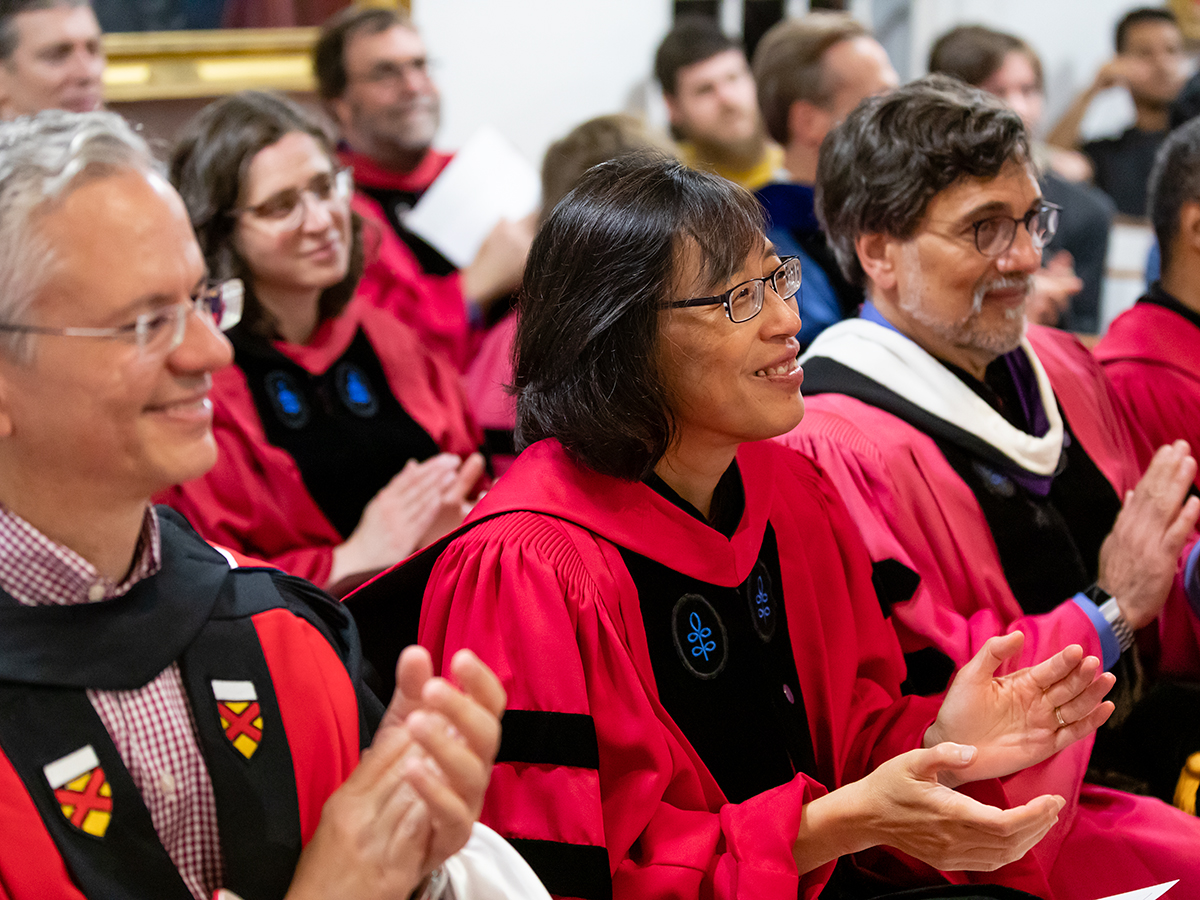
x,y
397,519
1016,720
1139,557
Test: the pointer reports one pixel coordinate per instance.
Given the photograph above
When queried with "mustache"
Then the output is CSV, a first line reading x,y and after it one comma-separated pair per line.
x,y
1003,283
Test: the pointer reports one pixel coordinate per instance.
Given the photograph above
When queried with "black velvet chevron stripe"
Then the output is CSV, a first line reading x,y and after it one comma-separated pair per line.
x,y
549,738
894,583
568,870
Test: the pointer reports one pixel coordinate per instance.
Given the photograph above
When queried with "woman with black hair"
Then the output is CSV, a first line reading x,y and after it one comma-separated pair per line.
x,y
704,698
344,444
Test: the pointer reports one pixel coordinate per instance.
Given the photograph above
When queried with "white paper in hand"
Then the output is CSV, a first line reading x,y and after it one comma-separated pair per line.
x,y
488,180
1148,893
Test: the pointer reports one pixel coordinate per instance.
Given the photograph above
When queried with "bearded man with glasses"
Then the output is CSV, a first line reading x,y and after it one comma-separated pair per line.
x,y
998,483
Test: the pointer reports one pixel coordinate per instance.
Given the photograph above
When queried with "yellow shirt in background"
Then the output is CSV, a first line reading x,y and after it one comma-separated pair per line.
x,y
752,178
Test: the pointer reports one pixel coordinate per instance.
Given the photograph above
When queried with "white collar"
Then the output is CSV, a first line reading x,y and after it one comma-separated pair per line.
x,y
898,363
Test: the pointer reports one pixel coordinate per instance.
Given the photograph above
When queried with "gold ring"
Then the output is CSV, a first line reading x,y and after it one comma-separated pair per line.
x,y
1058,715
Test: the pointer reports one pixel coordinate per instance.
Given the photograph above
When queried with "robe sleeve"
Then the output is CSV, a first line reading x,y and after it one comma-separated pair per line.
x,y
913,509
594,784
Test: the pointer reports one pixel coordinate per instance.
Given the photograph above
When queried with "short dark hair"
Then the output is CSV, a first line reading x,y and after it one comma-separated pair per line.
x,y
1174,181
973,53
694,39
208,167
787,64
1136,17
587,356
879,169
329,52
9,9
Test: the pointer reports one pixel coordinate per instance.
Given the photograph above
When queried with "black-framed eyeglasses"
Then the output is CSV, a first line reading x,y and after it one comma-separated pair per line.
x,y
995,234
159,332
744,301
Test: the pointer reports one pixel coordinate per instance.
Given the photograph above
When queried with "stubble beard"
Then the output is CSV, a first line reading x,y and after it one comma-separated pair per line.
x,y
968,331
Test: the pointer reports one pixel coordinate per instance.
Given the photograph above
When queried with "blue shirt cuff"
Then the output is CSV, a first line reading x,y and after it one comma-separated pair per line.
x,y
1191,579
1110,647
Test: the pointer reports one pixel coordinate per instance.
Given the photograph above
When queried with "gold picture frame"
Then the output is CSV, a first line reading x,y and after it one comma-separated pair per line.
x,y
176,65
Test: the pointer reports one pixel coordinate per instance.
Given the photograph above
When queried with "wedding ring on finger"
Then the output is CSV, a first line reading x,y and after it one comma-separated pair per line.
x,y
1058,716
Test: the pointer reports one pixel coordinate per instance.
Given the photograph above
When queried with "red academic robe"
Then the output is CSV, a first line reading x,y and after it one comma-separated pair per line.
x,y
910,505
295,646
543,596
495,409
432,305
1152,357
254,499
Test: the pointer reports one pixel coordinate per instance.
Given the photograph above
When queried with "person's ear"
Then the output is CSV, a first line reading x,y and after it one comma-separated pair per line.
x,y
6,425
807,124
877,254
1189,227
674,114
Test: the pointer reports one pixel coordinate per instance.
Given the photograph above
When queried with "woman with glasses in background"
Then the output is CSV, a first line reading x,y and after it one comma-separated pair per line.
x,y
344,445
703,694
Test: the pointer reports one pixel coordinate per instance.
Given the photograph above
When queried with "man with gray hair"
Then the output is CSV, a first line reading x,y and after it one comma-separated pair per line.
x,y
50,57
173,724
811,71
1151,352
994,476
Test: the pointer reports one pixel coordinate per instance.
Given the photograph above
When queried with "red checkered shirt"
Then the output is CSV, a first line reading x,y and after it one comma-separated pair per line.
x,y
152,726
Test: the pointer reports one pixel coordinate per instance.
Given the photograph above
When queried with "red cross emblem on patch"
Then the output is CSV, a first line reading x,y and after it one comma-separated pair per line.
x,y
82,791
241,717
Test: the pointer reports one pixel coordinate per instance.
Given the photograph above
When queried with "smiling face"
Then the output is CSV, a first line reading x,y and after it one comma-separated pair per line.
x,y
939,290
292,263
57,63
92,416
726,382
390,107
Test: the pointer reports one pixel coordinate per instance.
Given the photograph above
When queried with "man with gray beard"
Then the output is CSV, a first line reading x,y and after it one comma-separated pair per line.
x,y
998,483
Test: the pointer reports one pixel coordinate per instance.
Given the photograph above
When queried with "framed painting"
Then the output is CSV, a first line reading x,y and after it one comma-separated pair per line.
x,y
264,44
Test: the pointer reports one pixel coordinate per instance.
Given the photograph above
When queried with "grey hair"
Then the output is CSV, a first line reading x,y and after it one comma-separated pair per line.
x,y
42,159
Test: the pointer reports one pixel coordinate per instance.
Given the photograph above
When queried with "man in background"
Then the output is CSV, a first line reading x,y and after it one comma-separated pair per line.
x,y
50,57
709,92
1150,64
993,474
811,71
373,76
1151,353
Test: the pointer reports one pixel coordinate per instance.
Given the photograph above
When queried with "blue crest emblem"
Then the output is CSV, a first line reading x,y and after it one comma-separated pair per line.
x,y
700,637
760,596
287,399
355,390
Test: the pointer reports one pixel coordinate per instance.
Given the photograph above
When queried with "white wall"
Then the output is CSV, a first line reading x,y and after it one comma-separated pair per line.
x,y
537,68
1073,39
